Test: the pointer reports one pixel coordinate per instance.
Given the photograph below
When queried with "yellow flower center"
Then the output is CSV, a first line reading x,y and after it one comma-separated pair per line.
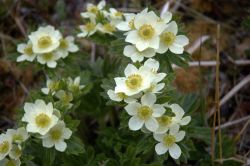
x,y
151,88
4,147
108,27
55,135
164,120
28,50
131,23
10,163
93,9
47,56
134,81
63,44
121,95
42,120
17,151
44,42
17,138
146,32
168,38
118,14
145,112
169,140
54,86
89,26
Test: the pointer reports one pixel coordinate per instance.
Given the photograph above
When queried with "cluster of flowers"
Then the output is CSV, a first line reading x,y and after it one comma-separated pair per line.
x,y
64,90
98,19
47,45
149,34
43,120
11,145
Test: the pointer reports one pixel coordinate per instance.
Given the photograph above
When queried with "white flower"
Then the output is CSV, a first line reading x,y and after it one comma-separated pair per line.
x,y
5,145
166,17
19,135
170,40
56,136
65,97
108,28
93,10
26,51
167,122
10,162
88,29
135,80
52,87
67,45
147,31
39,117
154,65
74,85
144,113
45,39
15,152
128,24
132,52
115,16
168,143
49,58
121,96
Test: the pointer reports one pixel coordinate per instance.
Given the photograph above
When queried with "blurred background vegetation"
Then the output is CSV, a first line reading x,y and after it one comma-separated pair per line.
x,y
195,85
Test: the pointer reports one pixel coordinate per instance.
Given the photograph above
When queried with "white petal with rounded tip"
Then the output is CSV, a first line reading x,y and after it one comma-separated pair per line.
x,y
123,26
184,121
151,124
158,137
159,87
61,146
21,58
132,37
177,110
174,128
51,64
132,108
47,143
174,48
167,16
159,110
135,123
175,151
172,27
148,99
162,48
179,136
181,40
21,47
149,53
129,50
154,42
160,149
29,107
113,96
152,64
130,69
67,133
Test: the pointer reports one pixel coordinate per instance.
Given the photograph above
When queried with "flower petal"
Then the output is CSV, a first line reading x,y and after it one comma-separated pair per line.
x,y
184,121
135,123
179,136
132,108
61,146
159,110
160,149
148,99
175,151
152,124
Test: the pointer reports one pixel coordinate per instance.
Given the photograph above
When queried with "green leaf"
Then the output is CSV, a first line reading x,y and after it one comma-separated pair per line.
x,y
49,156
200,133
176,59
75,146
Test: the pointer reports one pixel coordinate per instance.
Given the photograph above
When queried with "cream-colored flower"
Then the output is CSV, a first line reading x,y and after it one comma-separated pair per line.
x,y
132,52
115,16
74,85
39,116
168,143
88,29
145,112
65,97
19,135
166,17
121,96
10,162
128,24
15,152
45,39
108,28
170,40
135,80
56,136
5,145
167,122
49,58
26,52
147,31
93,10
52,87
67,45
